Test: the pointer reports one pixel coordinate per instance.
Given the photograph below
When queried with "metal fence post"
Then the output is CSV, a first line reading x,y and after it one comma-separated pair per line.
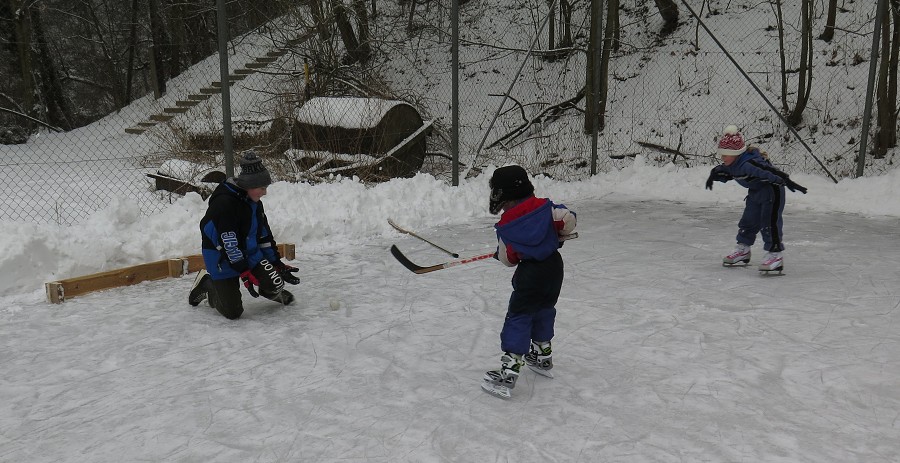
x,y
227,149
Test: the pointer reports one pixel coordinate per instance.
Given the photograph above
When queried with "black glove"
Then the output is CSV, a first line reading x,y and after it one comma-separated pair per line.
x,y
250,280
717,175
287,272
794,186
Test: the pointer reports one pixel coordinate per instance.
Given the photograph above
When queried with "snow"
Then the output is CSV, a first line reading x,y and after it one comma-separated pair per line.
x,y
661,353
347,112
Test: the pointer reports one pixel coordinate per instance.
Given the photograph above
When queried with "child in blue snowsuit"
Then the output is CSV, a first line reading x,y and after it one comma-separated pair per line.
x,y
764,203
528,235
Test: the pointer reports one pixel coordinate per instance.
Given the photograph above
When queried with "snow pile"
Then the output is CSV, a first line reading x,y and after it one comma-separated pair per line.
x,y
328,217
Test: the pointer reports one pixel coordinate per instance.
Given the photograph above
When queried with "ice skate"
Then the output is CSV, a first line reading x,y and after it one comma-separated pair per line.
x,y
500,382
772,262
740,255
540,358
200,288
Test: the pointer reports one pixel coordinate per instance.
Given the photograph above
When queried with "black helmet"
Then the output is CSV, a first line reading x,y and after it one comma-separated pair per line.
x,y
508,184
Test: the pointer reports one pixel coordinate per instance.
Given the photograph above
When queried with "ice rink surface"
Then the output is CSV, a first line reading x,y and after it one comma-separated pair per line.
x,y
661,354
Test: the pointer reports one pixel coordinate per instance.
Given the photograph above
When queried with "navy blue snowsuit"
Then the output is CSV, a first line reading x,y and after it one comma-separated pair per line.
x,y
764,201
528,238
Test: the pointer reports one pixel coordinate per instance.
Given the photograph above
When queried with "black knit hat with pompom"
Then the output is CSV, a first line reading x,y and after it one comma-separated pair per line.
x,y
253,173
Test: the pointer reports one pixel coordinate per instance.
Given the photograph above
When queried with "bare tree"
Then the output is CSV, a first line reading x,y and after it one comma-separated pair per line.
x,y
612,8
612,23
886,88
317,9
362,27
23,38
669,12
132,51
565,20
551,25
54,104
358,49
831,14
804,68
158,43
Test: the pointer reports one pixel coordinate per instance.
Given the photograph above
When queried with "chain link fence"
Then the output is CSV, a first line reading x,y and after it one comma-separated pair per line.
x,y
520,100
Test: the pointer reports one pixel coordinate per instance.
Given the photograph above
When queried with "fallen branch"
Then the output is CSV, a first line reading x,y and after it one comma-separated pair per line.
x,y
549,113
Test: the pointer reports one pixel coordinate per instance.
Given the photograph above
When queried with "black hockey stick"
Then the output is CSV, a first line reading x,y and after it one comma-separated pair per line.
x,y
407,232
419,269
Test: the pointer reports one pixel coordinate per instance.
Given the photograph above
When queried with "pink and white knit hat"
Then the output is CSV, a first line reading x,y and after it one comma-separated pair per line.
x,y
732,142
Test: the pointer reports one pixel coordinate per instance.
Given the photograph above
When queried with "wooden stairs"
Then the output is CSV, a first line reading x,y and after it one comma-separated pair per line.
x,y
215,87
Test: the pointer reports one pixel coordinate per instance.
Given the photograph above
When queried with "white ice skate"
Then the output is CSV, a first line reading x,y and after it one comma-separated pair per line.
x,y
540,358
772,262
500,382
740,255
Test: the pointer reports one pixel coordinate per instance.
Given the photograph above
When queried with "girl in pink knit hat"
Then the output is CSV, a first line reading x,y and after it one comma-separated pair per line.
x,y
764,203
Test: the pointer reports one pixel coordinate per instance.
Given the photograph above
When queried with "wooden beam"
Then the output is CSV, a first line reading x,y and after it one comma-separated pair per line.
x,y
59,291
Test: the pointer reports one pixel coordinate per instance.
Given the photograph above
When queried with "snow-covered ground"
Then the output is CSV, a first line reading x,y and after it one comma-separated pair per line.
x,y
661,353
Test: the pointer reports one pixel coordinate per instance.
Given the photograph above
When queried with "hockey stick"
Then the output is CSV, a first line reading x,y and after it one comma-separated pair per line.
x,y
407,232
468,260
419,269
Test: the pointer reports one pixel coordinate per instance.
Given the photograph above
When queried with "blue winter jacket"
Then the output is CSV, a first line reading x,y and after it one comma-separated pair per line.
x,y
235,233
529,230
751,170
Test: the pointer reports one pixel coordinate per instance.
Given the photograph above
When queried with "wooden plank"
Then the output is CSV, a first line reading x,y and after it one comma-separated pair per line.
x,y
106,280
54,292
287,251
195,263
59,291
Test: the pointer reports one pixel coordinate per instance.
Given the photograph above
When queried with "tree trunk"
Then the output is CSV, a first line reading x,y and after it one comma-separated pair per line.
x,y
176,13
565,9
612,23
831,14
346,30
804,72
608,33
25,55
157,50
104,40
779,20
669,12
316,8
132,47
886,90
364,51
58,110
412,12
551,25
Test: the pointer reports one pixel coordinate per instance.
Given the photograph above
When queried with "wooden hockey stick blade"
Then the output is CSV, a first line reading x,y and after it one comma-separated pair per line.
x,y
410,233
419,269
